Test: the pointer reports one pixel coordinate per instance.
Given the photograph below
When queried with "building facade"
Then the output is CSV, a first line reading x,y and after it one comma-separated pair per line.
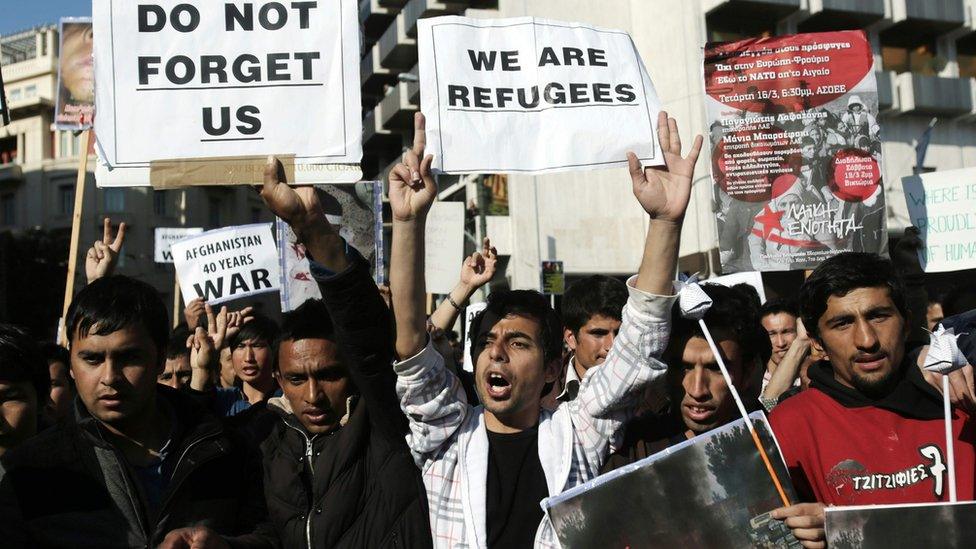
x,y
925,60
39,167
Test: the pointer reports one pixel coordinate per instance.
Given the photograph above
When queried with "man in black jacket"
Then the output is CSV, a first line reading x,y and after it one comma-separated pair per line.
x,y
142,464
337,469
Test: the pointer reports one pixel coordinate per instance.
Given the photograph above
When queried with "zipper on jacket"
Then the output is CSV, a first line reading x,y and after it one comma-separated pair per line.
x,y
311,482
172,489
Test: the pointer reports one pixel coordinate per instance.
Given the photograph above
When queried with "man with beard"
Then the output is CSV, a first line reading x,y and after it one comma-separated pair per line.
x,y
700,398
869,430
486,468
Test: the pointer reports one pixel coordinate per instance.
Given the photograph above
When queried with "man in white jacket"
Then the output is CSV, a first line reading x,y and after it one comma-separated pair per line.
x,y
487,467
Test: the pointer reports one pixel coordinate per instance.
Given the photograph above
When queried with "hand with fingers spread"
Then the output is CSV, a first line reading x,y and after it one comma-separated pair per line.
x,y
664,191
479,268
102,257
301,209
806,520
412,186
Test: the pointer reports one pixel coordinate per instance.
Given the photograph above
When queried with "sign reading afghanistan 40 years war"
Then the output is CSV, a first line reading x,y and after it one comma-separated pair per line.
x,y
796,151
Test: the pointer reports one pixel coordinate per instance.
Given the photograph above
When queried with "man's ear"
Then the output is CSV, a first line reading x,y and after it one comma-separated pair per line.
x,y
818,346
570,338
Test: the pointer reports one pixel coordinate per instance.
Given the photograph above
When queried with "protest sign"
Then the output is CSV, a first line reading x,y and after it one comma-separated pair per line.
x,y
470,312
533,96
752,278
942,205
715,488
443,246
796,151
228,263
74,107
229,84
167,236
553,278
929,525
354,212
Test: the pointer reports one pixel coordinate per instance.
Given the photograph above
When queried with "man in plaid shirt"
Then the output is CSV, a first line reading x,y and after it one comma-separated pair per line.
x,y
487,467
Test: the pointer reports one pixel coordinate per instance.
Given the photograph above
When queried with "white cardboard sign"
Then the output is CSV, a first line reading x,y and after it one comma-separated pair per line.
x,y
193,80
943,207
167,236
228,263
443,246
533,95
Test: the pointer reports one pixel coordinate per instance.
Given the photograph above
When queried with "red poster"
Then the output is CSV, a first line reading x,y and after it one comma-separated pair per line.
x,y
796,149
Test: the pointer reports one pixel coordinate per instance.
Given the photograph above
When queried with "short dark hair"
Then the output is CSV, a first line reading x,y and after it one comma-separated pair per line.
x,y
311,320
115,302
21,361
176,347
843,273
52,352
731,314
779,305
527,303
259,327
593,295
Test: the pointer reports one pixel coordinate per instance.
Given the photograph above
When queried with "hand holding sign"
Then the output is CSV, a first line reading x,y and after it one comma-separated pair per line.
x,y
104,254
807,522
664,192
412,186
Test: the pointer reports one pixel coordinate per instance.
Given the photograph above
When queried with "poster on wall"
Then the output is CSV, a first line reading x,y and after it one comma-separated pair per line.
x,y
795,150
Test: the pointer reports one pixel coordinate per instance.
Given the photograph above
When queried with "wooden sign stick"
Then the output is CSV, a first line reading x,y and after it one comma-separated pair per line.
x,y
176,299
69,286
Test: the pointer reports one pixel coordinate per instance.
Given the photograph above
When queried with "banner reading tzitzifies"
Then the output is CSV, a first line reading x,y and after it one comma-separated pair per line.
x,y
796,150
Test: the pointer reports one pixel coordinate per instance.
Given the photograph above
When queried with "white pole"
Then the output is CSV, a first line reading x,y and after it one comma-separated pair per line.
x,y
725,374
950,454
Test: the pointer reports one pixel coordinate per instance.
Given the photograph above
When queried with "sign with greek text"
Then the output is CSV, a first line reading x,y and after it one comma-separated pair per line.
x,y
185,82
228,263
796,150
943,207
167,236
531,95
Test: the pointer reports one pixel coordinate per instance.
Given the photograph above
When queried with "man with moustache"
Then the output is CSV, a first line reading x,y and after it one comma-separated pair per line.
x,y
870,429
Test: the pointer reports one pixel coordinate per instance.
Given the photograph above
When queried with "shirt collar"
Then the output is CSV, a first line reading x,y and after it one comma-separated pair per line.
x,y
571,385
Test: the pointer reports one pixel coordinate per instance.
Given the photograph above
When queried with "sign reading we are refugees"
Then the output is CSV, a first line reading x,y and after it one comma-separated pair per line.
x,y
942,205
228,263
796,150
201,92
533,95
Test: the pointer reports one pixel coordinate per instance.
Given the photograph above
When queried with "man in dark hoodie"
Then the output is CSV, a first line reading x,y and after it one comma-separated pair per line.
x,y
869,430
337,469
141,464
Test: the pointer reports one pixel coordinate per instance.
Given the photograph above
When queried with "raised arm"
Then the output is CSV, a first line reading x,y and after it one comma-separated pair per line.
x,y
102,257
788,368
476,271
412,191
664,193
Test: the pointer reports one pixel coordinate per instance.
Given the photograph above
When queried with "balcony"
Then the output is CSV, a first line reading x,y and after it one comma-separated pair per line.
x,y
828,15
746,8
397,50
374,75
375,136
420,9
395,110
375,18
918,20
10,174
886,91
934,95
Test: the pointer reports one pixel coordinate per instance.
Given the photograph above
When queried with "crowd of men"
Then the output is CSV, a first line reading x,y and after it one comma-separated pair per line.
x,y
352,423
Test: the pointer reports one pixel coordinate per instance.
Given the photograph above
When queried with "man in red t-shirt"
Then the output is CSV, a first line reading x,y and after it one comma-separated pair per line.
x,y
870,430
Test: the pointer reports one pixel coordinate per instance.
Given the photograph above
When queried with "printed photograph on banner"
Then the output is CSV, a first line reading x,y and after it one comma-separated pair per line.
x,y
942,206
563,87
165,237
930,525
796,150
228,263
715,488
296,283
74,107
230,83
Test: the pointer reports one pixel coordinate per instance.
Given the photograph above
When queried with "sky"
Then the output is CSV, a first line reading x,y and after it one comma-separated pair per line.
x,y
18,15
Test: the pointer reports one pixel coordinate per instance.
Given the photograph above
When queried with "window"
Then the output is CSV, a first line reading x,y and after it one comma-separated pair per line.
x,y
160,201
114,200
30,91
7,209
15,94
966,55
213,210
66,199
8,149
